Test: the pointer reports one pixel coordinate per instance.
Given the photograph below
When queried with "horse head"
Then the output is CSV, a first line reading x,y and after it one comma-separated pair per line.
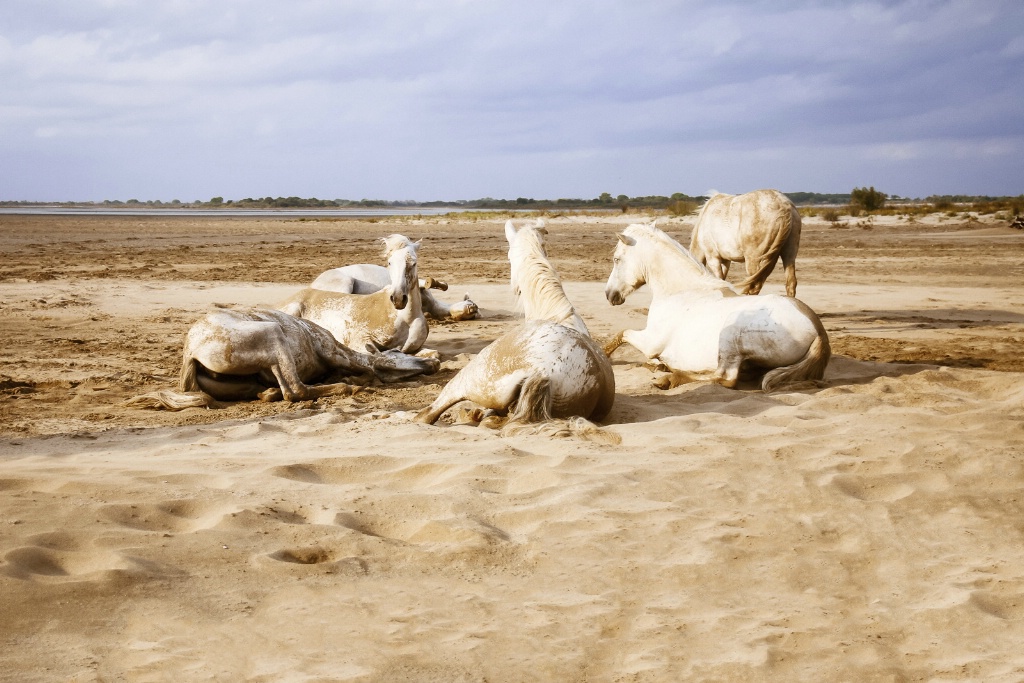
x,y
400,253
627,272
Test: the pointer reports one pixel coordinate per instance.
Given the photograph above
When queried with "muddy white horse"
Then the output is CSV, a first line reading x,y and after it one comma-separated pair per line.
x,y
239,355
367,278
549,368
699,326
756,228
390,318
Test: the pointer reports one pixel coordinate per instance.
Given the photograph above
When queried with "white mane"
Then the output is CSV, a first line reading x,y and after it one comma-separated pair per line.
x,y
540,289
655,234
393,243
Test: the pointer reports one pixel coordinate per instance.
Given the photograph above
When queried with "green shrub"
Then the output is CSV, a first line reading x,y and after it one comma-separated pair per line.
x,y
868,198
682,208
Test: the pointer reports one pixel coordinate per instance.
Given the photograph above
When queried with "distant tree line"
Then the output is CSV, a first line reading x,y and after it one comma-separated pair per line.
x,y
865,199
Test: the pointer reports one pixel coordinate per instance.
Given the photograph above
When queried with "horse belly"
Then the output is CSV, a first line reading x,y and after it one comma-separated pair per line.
x,y
231,346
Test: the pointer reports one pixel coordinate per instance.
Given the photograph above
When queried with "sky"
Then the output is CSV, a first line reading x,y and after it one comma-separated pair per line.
x,y
415,100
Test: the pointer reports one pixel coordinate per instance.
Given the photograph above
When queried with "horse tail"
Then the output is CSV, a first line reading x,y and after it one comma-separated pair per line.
x,y
532,415
770,257
810,367
189,395
577,427
167,399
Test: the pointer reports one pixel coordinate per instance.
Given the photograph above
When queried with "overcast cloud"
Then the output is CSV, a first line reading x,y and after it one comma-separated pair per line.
x,y
462,99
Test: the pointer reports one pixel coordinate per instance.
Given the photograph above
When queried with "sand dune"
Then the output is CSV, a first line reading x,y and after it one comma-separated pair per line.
x,y
865,529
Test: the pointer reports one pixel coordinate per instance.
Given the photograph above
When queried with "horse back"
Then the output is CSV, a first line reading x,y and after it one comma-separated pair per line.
x,y
731,226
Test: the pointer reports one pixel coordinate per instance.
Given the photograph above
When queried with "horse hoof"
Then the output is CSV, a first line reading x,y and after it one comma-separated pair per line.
x,y
663,382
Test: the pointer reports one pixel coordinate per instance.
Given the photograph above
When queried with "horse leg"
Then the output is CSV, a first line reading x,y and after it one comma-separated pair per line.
x,y
614,343
432,306
718,267
286,373
789,263
445,400
643,341
728,372
670,379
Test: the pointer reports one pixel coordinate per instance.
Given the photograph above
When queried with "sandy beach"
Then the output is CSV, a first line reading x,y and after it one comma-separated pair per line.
x,y
869,528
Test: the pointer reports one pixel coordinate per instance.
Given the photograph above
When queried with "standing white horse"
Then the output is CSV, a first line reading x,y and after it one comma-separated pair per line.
x,y
548,368
699,325
233,355
757,228
367,278
391,318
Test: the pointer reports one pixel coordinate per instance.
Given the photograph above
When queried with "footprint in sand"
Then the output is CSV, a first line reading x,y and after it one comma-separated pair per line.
x,y
354,469
313,555
1008,607
453,530
58,554
395,472
171,516
888,487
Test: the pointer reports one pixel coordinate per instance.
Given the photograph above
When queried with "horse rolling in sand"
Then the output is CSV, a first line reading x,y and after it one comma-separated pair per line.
x,y
699,326
367,278
547,369
391,318
757,228
233,355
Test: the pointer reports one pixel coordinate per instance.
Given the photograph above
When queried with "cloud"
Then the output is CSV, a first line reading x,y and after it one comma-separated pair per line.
x,y
464,98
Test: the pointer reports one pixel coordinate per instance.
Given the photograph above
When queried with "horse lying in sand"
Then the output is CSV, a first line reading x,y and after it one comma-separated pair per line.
x,y
549,367
233,355
367,278
391,318
756,228
699,325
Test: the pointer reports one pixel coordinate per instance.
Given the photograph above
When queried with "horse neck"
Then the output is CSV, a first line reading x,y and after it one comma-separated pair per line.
x,y
670,270
542,296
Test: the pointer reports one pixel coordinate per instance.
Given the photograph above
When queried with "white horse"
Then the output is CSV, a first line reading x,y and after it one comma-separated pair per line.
x,y
757,228
547,369
233,355
367,278
391,318
699,325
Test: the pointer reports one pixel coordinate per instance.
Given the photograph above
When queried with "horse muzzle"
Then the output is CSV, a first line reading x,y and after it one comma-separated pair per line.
x,y
614,296
399,299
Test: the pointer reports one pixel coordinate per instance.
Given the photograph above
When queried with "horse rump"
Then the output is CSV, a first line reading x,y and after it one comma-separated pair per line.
x,y
809,368
532,414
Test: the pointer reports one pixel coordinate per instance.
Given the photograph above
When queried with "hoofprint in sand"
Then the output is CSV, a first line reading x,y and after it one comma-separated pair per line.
x,y
863,529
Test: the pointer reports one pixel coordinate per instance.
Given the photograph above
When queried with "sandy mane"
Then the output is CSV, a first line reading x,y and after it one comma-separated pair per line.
x,y
540,289
393,243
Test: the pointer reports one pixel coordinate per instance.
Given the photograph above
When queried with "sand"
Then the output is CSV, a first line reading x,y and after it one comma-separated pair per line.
x,y
867,529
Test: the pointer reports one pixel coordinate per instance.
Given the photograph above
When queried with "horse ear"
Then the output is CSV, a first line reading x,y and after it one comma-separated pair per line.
x,y
628,241
510,231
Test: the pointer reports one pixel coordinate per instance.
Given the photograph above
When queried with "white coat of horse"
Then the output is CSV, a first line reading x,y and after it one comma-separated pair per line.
x,y
367,278
391,318
699,325
238,355
757,228
549,368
